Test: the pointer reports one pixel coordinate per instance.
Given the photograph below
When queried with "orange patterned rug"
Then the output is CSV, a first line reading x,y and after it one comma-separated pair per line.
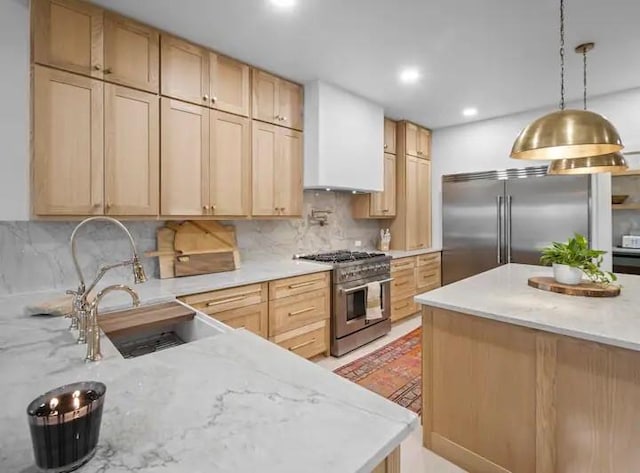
x,y
393,371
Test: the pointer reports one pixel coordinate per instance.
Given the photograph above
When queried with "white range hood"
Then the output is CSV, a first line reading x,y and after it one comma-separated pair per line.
x,y
343,140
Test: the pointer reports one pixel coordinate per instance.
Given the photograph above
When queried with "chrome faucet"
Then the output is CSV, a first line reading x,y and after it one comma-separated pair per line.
x,y
93,329
81,307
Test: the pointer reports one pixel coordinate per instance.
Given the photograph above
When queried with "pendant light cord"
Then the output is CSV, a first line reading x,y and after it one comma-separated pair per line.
x,y
561,54
584,76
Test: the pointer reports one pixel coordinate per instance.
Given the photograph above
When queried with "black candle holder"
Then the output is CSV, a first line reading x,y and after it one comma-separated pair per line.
x,y
65,426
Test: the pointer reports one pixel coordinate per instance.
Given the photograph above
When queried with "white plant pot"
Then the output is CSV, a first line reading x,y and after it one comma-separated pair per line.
x,y
567,274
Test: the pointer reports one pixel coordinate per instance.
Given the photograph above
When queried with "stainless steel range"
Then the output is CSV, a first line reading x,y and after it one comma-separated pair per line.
x,y
353,273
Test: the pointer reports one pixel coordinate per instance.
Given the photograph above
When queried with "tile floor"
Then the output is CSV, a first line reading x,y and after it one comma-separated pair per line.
x,y
415,458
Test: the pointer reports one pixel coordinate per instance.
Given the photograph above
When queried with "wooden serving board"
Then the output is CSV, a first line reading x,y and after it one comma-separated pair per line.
x,y
204,263
585,289
128,322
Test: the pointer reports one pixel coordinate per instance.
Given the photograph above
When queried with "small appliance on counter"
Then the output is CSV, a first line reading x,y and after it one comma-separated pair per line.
x,y
65,426
631,241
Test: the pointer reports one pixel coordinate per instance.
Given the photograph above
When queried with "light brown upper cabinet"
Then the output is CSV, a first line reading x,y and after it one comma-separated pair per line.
x,y
277,171
378,204
185,70
199,76
389,136
131,53
411,139
277,101
67,34
82,38
184,168
132,151
411,229
229,84
205,162
424,143
230,165
67,144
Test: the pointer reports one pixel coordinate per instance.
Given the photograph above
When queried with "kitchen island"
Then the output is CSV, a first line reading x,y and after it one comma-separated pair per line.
x,y
525,381
231,403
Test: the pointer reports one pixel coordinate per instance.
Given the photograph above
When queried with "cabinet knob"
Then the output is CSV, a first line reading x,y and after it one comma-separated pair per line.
x,y
214,99
213,208
386,146
97,67
107,70
107,207
205,97
282,119
205,208
277,117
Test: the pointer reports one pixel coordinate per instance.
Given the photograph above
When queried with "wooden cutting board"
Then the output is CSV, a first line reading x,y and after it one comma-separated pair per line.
x,y
131,321
204,263
585,289
206,237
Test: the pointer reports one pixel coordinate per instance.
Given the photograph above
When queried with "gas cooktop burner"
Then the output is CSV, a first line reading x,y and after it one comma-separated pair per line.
x,y
341,256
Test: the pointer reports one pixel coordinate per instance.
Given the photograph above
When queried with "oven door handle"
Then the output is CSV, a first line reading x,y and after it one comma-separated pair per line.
x,y
357,288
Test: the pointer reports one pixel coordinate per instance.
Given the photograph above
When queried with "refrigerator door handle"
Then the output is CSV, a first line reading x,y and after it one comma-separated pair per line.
x,y
509,201
499,205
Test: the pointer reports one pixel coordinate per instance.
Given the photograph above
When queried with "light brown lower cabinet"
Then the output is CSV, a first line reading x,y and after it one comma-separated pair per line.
x,y
292,312
391,464
411,276
499,398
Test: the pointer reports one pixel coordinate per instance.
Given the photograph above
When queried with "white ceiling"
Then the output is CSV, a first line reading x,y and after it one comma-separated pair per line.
x,y
497,55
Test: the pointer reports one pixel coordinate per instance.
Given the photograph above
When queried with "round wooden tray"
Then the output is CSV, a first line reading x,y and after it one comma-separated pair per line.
x,y
585,289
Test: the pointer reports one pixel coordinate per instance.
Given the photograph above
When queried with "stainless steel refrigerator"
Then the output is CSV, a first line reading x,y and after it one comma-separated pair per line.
x,y
498,217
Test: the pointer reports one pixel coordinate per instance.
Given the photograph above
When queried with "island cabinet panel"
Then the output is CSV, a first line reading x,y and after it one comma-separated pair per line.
x,y
597,404
501,398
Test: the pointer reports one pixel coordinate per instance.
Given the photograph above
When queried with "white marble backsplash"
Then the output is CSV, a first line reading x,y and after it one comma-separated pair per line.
x,y
35,256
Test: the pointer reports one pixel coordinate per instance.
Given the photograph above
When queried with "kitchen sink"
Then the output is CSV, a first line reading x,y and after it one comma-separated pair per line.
x,y
152,340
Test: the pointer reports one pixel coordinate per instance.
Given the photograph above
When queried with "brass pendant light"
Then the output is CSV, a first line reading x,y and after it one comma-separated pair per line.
x,y
566,133
610,162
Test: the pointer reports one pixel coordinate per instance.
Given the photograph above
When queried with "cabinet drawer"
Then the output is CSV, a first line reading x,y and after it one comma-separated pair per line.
x,y
403,284
308,341
298,285
294,312
253,318
402,264
429,259
403,308
226,299
427,277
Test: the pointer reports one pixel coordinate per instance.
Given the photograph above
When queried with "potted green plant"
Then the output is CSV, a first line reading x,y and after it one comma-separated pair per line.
x,y
574,258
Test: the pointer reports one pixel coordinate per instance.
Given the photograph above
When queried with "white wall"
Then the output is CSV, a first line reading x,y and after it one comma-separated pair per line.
x,y
14,113
485,145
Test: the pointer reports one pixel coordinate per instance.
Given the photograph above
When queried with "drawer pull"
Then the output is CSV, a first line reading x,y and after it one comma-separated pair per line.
x,y
401,283
403,306
301,311
302,345
225,301
302,284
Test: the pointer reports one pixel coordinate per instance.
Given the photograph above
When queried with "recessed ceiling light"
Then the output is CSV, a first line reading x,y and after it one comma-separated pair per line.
x,y
470,112
284,3
410,75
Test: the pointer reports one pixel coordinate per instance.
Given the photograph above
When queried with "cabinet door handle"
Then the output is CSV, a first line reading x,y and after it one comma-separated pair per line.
x,y
283,119
205,97
97,67
301,345
386,146
107,70
302,284
277,117
214,99
402,283
301,311
107,207
205,208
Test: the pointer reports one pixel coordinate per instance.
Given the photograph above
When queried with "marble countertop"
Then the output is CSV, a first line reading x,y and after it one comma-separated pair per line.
x,y
230,403
396,254
502,294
